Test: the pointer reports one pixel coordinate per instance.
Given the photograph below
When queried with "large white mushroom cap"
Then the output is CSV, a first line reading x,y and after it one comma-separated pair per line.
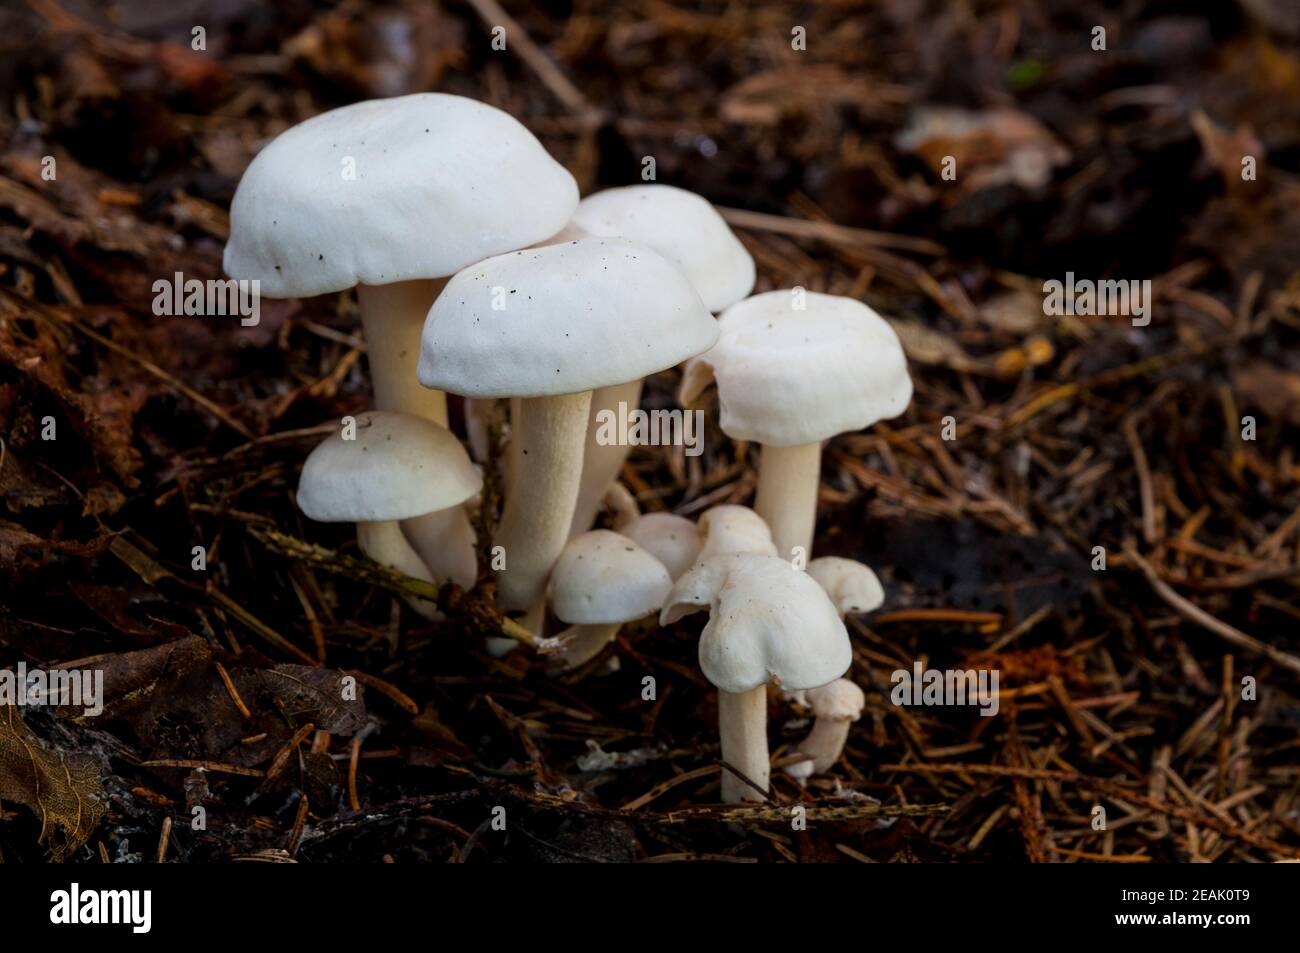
x,y
562,319
852,586
681,226
603,577
398,467
392,190
670,538
788,377
767,621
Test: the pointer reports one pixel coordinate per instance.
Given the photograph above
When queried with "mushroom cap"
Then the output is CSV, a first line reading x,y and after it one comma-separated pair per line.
x,y
671,539
840,700
603,577
729,528
852,586
767,621
589,314
438,182
788,377
398,467
681,226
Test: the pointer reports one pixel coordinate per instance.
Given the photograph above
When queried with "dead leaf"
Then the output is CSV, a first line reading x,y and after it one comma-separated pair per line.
x,y
305,693
989,148
63,790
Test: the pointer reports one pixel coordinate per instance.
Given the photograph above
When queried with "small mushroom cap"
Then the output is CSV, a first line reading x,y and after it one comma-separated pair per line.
x,y
681,226
852,586
561,319
734,529
841,700
767,621
788,377
398,467
391,190
603,577
671,539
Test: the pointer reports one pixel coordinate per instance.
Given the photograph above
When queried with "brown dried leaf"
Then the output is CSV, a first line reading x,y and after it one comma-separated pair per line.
x,y
992,147
315,694
20,551
63,790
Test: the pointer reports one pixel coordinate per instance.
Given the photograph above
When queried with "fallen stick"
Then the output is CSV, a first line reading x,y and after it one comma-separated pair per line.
x,y
1195,613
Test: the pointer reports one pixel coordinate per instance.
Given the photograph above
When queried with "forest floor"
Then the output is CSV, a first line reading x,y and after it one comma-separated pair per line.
x,y
1161,688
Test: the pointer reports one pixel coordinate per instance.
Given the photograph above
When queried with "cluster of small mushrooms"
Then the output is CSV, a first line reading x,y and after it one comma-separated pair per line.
x,y
480,273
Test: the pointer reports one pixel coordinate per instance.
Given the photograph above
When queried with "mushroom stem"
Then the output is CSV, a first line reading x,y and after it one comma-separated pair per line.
x,y
584,644
825,742
742,724
384,543
549,432
392,317
602,461
446,542
478,426
787,495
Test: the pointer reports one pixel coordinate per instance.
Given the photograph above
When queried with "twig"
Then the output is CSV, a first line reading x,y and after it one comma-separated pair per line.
x,y
1195,613
254,624
164,838
232,691
517,38
450,598
827,231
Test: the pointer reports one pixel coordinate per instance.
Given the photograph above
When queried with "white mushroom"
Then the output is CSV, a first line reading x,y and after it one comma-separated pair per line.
x,y
852,586
547,325
391,196
854,589
688,231
397,467
767,622
601,581
671,539
795,368
734,529
835,706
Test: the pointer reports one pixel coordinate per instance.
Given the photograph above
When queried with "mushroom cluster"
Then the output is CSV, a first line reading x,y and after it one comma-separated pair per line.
x,y
479,273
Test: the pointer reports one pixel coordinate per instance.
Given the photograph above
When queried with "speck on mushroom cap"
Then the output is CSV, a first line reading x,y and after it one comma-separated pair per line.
x,y
592,313
840,700
671,539
440,183
603,577
767,620
788,377
852,586
730,528
681,226
398,467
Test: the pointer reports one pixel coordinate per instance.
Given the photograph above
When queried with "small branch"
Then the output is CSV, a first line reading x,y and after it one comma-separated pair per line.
x,y
517,39
827,231
1195,613
474,607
